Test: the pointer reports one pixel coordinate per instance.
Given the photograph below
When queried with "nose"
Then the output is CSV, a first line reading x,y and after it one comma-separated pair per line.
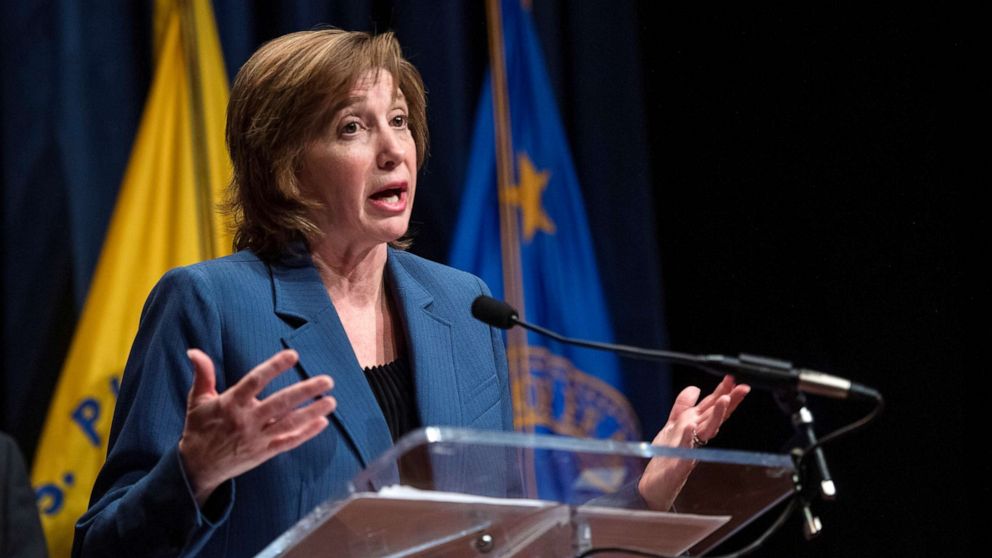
x,y
392,149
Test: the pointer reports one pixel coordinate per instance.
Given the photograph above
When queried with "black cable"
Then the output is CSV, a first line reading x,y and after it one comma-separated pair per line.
x,y
779,522
842,431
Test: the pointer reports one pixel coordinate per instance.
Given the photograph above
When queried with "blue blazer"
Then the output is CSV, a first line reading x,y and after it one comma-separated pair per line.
x,y
240,310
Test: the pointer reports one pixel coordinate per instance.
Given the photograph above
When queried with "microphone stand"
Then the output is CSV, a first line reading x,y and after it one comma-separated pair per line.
x,y
793,402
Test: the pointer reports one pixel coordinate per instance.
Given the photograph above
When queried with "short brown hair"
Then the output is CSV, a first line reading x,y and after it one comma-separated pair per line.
x,y
283,97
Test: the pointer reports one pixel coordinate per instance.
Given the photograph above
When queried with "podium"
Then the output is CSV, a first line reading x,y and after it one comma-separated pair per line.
x,y
461,492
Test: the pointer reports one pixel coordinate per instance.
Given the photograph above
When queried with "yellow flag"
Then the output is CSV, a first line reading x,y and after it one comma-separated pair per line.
x,y
165,217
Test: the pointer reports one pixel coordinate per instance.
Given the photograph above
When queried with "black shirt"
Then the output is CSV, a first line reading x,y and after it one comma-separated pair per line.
x,y
393,387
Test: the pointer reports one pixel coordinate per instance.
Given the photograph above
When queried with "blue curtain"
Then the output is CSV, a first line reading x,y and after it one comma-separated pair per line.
x,y
74,81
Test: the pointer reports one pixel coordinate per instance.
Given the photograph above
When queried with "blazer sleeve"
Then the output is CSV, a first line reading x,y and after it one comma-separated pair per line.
x,y
142,503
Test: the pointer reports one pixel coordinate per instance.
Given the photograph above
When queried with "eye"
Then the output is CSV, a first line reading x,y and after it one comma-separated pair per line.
x,y
400,121
350,128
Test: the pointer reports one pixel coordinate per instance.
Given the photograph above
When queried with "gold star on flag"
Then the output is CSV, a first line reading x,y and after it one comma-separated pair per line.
x,y
527,196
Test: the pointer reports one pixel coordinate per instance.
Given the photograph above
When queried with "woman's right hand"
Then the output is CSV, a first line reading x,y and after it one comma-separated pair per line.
x,y
229,433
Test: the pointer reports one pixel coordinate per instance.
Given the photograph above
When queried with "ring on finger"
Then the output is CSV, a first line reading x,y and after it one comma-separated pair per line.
x,y
697,442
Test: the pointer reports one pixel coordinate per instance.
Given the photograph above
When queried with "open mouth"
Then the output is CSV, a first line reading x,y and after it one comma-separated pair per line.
x,y
389,195
392,197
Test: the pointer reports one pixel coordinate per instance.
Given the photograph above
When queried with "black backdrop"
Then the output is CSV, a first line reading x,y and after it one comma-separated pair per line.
x,y
788,183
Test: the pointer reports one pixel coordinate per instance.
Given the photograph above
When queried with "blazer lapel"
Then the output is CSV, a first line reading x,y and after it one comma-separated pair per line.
x,y
324,348
428,339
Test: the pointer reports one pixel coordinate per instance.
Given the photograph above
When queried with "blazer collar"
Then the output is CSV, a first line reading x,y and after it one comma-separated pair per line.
x,y
299,292
429,345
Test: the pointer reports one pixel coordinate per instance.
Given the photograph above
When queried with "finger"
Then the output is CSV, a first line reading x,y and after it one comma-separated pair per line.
x,y
255,381
685,400
204,380
293,439
736,396
709,424
293,420
285,400
724,387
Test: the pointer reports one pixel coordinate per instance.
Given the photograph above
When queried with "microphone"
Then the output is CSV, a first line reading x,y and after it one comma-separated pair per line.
x,y
751,369
494,312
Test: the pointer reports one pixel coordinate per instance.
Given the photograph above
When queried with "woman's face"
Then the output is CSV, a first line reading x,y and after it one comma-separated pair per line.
x,y
363,167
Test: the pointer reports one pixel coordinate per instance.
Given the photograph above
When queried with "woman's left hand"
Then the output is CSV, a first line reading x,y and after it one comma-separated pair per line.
x,y
689,425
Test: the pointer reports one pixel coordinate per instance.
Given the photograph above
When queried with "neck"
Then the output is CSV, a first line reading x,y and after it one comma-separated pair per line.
x,y
351,274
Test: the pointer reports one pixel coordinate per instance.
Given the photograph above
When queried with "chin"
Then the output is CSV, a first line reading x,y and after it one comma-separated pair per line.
x,y
395,238
392,234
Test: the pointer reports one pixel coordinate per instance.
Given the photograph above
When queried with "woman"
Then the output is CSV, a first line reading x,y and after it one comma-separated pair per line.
x,y
326,131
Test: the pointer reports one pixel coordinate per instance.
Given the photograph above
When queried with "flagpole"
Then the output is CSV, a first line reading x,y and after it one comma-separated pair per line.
x,y
509,237
200,158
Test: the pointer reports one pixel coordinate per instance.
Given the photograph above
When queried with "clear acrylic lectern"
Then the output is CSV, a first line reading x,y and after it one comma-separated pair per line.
x,y
460,492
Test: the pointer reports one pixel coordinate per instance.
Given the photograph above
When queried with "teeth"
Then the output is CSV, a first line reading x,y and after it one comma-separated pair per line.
x,y
391,199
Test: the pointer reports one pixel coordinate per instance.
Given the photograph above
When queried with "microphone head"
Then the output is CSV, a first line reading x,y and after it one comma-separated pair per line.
x,y
494,312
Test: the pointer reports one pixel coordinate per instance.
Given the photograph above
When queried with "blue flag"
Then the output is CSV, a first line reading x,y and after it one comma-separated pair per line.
x,y
577,392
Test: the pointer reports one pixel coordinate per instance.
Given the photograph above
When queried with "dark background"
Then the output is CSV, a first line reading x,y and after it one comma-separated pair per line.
x,y
790,183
